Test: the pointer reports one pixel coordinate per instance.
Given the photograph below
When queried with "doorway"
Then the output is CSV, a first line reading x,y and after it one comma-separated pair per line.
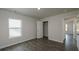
x,y
70,34
45,29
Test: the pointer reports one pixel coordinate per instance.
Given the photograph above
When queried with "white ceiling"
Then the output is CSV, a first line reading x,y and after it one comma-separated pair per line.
x,y
42,13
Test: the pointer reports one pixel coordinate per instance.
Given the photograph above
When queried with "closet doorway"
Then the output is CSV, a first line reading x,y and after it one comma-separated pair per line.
x,y
45,29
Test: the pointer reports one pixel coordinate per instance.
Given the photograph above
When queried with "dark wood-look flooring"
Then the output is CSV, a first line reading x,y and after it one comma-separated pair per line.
x,y
36,45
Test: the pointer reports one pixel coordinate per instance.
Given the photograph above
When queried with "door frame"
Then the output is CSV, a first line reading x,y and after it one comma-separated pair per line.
x,y
43,28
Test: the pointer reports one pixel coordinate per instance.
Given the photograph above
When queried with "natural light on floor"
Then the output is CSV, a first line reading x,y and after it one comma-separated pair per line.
x,y
14,28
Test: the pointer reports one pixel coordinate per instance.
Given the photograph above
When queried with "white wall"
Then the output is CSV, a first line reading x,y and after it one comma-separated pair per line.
x,y
28,28
39,29
56,25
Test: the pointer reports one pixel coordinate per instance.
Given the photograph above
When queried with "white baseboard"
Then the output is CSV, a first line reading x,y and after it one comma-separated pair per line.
x,y
1,47
57,41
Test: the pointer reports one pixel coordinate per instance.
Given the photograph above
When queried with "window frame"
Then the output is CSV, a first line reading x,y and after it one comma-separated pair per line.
x,y
15,28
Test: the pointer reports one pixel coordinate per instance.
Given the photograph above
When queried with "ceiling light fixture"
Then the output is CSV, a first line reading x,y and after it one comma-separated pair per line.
x,y
38,8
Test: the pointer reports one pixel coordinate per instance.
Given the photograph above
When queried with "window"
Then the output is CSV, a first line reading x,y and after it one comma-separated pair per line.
x,y
14,28
77,27
66,27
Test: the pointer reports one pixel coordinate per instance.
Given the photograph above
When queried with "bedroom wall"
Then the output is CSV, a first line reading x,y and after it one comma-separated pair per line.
x,y
29,28
56,25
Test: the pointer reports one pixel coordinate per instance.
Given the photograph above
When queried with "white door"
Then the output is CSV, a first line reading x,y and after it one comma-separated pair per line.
x,y
39,29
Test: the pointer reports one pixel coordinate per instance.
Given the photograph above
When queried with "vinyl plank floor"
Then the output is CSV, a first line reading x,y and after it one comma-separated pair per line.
x,y
36,45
